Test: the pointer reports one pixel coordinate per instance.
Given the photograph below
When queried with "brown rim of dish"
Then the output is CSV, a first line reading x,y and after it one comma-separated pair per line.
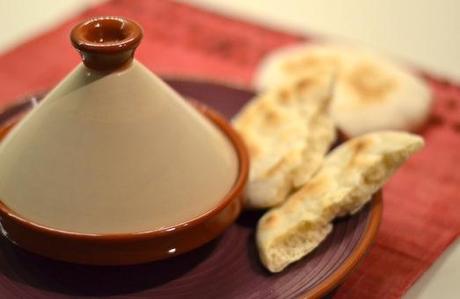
x,y
236,190
350,263
109,34
106,43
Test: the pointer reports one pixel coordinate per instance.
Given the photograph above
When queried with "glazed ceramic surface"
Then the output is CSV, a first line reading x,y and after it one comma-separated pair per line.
x,y
114,151
133,247
228,267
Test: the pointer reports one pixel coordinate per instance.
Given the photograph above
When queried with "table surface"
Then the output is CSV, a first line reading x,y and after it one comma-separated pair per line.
x,y
427,36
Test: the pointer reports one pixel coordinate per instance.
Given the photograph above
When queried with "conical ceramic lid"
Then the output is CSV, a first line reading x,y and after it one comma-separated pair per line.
x,y
113,149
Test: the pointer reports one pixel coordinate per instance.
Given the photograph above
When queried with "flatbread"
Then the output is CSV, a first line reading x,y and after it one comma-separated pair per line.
x,y
287,131
371,93
348,178
291,62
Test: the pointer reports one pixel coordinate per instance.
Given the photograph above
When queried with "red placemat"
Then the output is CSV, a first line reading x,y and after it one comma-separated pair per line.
x,y
421,202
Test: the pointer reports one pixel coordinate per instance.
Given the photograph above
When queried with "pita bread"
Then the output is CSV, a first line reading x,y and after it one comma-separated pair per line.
x,y
287,131
291,62
371,93
348,178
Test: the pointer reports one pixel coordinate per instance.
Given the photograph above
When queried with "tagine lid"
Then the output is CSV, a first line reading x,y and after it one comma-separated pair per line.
x,y
112,148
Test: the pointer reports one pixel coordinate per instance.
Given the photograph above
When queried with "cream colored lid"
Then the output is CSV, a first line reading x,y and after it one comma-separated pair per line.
x,y
114,152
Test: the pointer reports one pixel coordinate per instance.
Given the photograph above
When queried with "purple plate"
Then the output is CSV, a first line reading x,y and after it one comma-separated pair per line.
x,y
227,267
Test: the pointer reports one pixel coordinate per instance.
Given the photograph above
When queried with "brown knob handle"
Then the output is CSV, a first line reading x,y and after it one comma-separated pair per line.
x,y
106,43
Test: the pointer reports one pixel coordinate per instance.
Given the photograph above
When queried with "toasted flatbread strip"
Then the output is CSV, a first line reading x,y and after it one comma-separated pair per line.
x,y
350,175
371,93
287,131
